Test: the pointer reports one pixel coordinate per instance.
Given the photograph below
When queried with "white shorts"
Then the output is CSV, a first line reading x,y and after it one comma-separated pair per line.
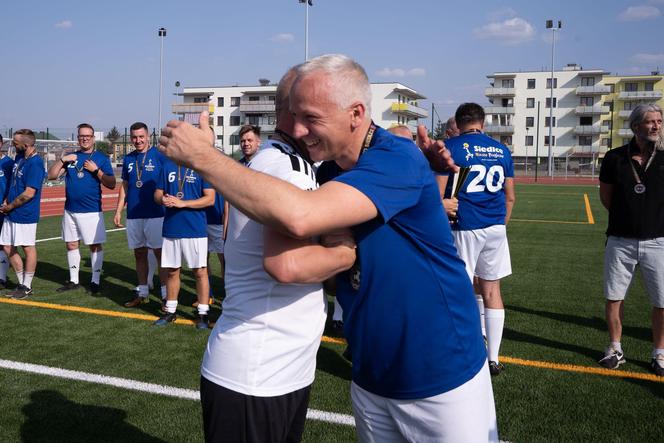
x,y
620,259
485,252
18,234
194,251
465,414
86,226
215,238
144,232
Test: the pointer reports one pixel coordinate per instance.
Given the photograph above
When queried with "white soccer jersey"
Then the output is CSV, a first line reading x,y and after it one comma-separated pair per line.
x,y
266,340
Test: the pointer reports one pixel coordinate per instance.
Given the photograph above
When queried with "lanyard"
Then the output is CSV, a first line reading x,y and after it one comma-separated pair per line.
x,y
139,170
366,144
79,173
639,187
180,194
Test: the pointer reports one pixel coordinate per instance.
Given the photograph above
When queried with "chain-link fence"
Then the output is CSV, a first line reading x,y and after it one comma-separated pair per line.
x,y
583,166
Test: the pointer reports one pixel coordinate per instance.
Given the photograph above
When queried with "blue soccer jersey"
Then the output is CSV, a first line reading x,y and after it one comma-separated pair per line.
x,y
142,172
215,212
27,173
82,189
410,316
183,222
482,196
6,169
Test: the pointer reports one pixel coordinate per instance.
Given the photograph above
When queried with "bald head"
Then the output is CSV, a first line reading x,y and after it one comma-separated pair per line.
x,y
401,131
282,102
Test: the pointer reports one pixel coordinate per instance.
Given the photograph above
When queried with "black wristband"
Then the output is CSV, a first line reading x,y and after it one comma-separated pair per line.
x,y
96,172
63,162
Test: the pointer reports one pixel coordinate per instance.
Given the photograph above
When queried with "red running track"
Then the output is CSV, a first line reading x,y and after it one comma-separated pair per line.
x,y
53,200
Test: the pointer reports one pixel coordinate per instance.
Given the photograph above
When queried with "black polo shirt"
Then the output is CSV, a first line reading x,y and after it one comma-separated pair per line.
x,y
634,215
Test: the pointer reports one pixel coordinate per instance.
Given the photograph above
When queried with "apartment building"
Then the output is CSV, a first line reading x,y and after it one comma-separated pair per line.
x,y
230,107
587,114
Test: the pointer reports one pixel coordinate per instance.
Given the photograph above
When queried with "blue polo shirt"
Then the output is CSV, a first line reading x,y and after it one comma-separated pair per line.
x,y
6,169
83,194
410,318
183,222
215,212
140,201
27,173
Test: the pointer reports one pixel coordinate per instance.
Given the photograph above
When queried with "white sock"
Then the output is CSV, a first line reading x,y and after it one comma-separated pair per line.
x,y
97,261
27,279
495,320
19,277
152,267
4,265
74,262
203,309
616,345
338,313
164,292
656,352
143,291
171,306
480,305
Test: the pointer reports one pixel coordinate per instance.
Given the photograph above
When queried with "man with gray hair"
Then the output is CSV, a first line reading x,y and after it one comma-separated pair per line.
x,y
420,368
630,188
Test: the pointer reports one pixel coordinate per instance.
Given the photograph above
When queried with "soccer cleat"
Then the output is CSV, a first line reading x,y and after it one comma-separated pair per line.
x,y
612,359
68,286
95,288
21,292
136,301
337,328
3,284
202,322
657,365
165,319
495,368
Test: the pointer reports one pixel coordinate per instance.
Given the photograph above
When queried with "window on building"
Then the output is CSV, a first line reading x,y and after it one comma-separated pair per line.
x,y
530,103
235,101
548,102
606,142
553,140
608,124
506,140
254,98
649,86
272,98
220,102
585,140
586,121
234,139
610,105
201,99
252,119
235,120
220,120
507,83
548,83
631,87
587,101
529,140
507,102
587,81
546,122
530,122
628,106
531,83
271,119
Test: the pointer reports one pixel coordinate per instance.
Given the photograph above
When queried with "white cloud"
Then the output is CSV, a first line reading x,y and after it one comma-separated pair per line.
x,y
417,72
282,38
64,24
400,72
510,32
637,13
648,59
500,14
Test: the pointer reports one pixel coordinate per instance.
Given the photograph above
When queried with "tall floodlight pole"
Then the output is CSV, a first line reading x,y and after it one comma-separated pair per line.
x,y
161,33
549,25
307,3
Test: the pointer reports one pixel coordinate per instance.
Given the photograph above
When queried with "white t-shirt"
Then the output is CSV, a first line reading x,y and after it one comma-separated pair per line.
x,y
266,340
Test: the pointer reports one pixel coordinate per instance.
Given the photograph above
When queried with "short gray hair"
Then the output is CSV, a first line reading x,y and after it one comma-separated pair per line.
x,y
348,79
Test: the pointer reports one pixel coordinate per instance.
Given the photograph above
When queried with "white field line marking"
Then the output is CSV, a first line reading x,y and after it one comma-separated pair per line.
x,y
134,385
60,238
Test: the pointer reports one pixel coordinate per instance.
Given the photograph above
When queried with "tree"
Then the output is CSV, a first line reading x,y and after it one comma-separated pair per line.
x,y
439,131
113,136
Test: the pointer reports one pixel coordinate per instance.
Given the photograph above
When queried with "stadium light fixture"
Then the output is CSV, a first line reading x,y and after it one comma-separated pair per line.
x,y
550,25
161,33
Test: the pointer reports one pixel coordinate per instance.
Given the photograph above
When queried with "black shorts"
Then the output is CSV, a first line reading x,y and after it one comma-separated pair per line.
x,y
229,416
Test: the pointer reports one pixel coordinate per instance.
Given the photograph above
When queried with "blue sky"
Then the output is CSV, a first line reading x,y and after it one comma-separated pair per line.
x,y
72,61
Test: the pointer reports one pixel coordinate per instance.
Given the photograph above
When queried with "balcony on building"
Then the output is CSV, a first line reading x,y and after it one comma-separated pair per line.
x,y
263,104
499,129
591,110
500,92
640,95
624,113
192,108
587,150
593,90
409,110
499,110
591,129
625,132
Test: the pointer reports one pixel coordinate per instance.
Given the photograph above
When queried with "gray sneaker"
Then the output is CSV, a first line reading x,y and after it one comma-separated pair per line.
x,y
657,365
612,359
21,292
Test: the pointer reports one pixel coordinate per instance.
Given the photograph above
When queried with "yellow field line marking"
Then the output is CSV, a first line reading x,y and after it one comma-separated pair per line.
x,y
512,360
589,212
548,194
549,221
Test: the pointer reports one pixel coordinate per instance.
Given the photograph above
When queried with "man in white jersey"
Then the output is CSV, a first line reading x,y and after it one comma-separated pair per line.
x,y
261,356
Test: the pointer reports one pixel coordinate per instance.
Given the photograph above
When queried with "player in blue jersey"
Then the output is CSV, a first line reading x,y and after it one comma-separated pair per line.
x,y
6,168
420,371
22,211
485,202
141,171
215,232
86,171
185,196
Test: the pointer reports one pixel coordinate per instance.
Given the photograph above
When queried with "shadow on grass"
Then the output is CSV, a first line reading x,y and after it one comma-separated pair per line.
x,y
510,334
333,363
50,416
597,323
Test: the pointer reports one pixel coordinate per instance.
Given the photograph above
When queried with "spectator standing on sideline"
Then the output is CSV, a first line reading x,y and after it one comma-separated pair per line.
x,y
250,140
631,187
6,168
86,171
